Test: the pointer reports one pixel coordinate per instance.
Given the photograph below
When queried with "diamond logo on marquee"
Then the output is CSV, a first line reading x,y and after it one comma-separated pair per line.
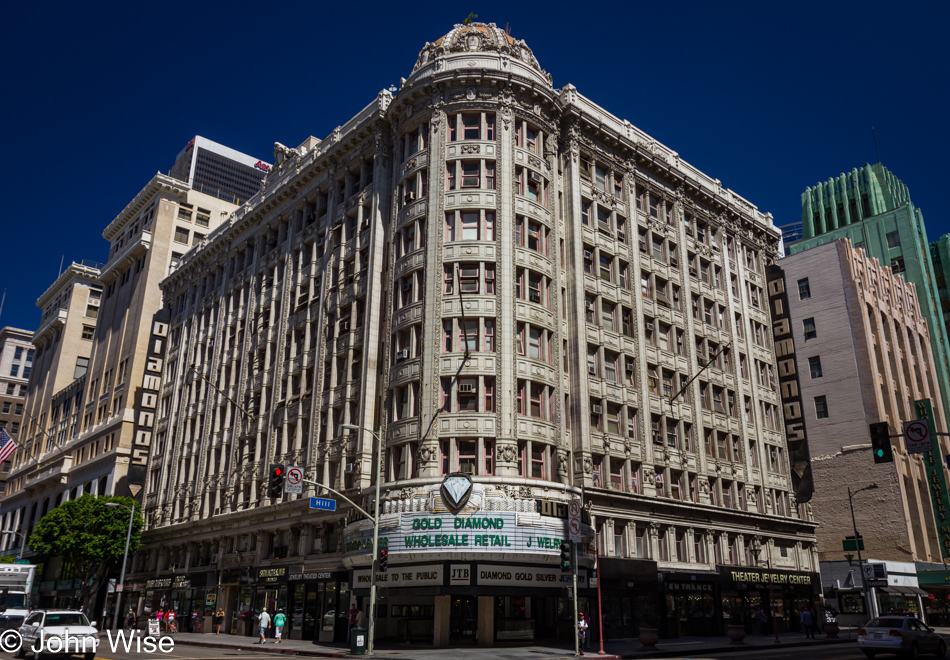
x,y
456,489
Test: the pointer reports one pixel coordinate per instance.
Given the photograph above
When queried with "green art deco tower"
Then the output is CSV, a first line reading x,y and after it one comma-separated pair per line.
x,y
873,208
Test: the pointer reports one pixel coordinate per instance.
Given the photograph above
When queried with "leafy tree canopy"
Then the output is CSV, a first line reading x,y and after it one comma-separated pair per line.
x,y
89,535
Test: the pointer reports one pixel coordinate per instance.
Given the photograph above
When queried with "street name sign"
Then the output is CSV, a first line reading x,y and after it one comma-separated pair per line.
x,y
322,504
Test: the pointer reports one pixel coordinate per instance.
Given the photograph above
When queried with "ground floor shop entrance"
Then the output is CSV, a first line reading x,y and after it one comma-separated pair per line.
x,y
746,589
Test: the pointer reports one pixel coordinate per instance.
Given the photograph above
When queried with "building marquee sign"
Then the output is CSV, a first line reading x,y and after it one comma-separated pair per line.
x,y
792,409
485,575
478,533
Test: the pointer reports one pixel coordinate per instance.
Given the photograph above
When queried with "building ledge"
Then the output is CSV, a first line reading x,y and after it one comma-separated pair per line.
x,y
53,323
126,257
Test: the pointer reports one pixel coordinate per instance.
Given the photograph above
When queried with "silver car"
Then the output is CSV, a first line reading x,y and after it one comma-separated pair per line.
x,y
906,636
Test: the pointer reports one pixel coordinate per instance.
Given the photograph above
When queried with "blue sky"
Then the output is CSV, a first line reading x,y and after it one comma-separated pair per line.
x,y
768,97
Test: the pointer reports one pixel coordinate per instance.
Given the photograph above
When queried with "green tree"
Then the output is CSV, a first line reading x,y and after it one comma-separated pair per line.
x,y
6,559
90,536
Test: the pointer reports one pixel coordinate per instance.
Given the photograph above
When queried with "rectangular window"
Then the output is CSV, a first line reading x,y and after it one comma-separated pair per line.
x,y
470,174
468,278
538,455
897,265
893,239
821,407
809,327
181,235
814,365
804,290
87,331
82,364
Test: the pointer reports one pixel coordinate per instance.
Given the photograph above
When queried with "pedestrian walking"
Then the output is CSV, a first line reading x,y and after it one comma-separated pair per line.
x,y
582,628
218,620
763,620
130,619
263,623
350,621
807,619
279,621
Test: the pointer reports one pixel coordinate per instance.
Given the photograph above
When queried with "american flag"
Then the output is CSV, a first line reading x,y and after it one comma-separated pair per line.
x,y
7,445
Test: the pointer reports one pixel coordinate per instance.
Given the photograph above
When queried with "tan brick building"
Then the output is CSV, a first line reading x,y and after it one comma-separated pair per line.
x,y
16,363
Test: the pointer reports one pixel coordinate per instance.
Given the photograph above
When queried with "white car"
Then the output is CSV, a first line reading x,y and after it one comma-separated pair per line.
x,y
906,636
57,632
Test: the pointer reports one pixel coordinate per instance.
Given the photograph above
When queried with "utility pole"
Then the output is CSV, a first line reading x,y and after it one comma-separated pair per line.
x,y
857,544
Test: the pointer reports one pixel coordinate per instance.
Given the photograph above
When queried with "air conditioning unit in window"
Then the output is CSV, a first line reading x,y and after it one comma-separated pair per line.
x,y
410,196
466,388
534,297
588,304
403,354
350,468
596,409
592,370
674,262
344,326
648,325
631,431
468,468
692,271
534,176
622,237
631,366
587,255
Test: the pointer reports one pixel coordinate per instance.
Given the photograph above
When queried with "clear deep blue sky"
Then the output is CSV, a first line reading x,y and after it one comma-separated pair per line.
x,y
768,97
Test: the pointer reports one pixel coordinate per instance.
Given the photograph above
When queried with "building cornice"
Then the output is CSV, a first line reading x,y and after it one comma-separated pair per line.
x,y
158,183
75,272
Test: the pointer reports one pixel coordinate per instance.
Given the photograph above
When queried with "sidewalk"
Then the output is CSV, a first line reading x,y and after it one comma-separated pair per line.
x,y
620,648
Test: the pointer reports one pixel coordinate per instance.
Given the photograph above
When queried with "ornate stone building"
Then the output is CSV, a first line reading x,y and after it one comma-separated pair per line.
x,y
501,279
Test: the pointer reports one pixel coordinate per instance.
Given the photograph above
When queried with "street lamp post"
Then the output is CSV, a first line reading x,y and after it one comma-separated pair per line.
x,y
121,586
375,519
768,564
857,544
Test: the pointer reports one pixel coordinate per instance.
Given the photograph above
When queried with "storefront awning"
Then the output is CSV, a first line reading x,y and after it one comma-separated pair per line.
x,y
891,590
914,591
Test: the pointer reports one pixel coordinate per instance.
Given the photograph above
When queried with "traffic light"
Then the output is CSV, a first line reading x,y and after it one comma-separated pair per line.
x,y
382,560
275,484
567,557
881,443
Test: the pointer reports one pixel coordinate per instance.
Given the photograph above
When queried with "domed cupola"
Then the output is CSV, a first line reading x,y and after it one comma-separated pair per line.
x,y
479,38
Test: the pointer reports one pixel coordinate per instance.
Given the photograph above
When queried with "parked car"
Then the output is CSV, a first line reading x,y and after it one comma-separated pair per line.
x,y
903,635
42,626
11,619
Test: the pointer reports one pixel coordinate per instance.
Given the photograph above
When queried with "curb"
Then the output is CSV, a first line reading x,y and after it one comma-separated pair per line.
x,y
263,648
730,648
593,654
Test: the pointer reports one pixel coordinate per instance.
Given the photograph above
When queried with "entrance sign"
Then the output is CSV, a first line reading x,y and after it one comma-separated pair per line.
x,y
293,483
153,627
917,436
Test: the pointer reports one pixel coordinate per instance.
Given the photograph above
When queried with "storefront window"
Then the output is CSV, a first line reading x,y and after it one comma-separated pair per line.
x,y
851,603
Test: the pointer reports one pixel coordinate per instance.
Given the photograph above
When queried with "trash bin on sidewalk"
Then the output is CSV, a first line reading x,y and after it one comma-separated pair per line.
x,y
358,641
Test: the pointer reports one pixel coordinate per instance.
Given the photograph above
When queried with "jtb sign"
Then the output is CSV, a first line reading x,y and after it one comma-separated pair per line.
x,y
789,385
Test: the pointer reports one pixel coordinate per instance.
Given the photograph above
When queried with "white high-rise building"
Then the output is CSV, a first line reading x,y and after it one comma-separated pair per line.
x,y
514,288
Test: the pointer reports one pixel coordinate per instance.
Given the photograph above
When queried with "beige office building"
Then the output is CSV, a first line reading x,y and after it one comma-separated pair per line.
x,y
508,284
16,364
93,357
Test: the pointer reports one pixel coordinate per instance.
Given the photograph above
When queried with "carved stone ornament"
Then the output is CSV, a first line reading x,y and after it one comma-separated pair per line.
x,y
654,529
424,455
405,493
507,453
561,462
649,476
704,486
471,148
588,465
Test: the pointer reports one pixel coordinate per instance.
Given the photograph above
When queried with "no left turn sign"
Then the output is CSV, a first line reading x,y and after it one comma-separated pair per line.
x,y
294,481
917,436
